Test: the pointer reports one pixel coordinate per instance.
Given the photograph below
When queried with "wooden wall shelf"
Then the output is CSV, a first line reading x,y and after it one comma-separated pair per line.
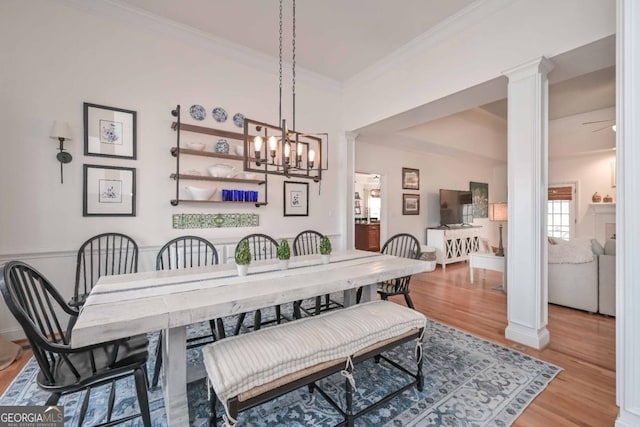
x,y
177,151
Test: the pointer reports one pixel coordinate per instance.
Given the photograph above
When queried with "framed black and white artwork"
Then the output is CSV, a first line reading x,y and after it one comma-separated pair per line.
x,y
410,179
296,198
109,131
109,191
410,204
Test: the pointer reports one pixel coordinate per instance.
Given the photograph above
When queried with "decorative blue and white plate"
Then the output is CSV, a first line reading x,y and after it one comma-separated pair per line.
x,y
198,112
219,114
238,119
222,146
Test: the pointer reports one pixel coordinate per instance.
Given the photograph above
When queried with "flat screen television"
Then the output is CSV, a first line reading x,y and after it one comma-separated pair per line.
x,y
456,207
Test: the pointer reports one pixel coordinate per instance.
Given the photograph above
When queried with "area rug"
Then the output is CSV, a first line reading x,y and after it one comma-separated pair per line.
x,y
468,382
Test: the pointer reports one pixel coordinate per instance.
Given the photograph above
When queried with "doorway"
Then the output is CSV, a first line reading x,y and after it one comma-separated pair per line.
x,y
368,211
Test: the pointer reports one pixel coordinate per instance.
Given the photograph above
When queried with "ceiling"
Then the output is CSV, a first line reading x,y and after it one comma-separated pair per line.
x,y
338,39
473,122
334,38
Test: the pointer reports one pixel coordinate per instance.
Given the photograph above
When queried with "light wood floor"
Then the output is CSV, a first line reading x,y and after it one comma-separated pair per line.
x,y
582,344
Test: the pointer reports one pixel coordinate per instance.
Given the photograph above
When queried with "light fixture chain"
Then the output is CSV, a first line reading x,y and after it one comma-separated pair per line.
x,y
293,88
280,70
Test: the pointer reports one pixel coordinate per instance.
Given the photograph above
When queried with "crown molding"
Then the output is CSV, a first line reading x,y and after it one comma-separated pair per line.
x,y
139,18
444,30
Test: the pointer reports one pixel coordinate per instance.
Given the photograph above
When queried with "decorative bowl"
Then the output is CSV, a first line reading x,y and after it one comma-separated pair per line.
x,y
250,175
222,171
196,145
199,193
239,149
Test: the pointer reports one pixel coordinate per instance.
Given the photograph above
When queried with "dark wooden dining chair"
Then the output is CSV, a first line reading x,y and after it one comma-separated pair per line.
x,y
102,255
308,243
187,252
36,305
262,247
401,245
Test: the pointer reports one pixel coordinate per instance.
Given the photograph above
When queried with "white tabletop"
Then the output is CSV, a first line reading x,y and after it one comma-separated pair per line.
x,y
126,305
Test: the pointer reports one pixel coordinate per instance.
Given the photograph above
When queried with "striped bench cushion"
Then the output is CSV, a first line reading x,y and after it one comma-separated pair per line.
x,y
238,364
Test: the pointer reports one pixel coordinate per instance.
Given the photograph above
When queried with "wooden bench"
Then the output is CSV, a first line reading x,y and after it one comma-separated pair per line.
x,y
248,370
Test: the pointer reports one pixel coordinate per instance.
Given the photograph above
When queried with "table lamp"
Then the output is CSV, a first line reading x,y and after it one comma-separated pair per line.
x,y
498,212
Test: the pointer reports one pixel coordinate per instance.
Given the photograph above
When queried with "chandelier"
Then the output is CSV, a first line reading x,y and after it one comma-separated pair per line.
x,y
278,149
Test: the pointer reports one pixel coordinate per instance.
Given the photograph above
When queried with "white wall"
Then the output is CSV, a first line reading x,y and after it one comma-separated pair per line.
x,y
436,172
469,49
592,173
55,57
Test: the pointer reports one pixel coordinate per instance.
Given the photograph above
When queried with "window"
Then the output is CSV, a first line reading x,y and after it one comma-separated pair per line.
x,y
561,212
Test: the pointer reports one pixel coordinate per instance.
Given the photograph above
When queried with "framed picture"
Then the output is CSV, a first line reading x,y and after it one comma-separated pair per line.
x,y
109,131
109,191
357,210
410,204
296,198
410,179
480,199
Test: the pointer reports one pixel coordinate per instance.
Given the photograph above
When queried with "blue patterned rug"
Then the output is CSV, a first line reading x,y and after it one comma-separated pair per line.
x,y
468,382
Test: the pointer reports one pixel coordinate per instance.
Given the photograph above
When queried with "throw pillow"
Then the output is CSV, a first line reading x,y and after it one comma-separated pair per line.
x,y
556,240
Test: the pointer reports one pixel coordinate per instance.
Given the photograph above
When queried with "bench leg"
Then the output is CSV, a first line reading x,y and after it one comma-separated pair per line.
x,y
213,418
349,413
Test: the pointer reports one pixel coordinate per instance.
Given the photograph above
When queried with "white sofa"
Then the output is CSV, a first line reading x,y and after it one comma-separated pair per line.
x,y
607,279
582,276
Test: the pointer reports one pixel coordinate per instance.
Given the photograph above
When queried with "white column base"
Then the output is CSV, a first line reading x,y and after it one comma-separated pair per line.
x,y
627,419
528,336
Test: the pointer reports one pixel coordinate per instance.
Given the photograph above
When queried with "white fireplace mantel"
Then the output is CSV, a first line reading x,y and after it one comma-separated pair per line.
x,y
603,208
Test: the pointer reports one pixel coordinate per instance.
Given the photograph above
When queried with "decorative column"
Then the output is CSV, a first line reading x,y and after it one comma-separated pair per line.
x,y
627,208
527,171
350,187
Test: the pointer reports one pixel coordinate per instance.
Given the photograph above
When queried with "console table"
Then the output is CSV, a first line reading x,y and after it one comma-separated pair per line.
x,y
488,261
453,244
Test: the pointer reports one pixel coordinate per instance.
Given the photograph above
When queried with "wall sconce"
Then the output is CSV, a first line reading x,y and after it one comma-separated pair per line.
x,y
61,131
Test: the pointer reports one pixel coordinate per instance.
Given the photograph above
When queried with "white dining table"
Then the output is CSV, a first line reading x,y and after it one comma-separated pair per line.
x,y
130,304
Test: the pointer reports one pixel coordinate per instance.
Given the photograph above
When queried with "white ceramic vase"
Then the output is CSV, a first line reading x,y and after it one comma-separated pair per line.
x,y
283,264
325,258
242,269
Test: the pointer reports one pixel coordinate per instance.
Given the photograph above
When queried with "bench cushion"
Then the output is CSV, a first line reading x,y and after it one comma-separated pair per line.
x,y
238,364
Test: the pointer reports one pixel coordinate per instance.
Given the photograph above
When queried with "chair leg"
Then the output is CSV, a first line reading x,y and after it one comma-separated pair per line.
x,y
278,314
220,328
358,295
239,324
318,305
212,326
257,320
296,310
53,399
143,399
407,298
158,365
327,301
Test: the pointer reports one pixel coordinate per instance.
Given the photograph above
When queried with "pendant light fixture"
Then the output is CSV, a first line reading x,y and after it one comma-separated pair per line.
x,y
278,149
